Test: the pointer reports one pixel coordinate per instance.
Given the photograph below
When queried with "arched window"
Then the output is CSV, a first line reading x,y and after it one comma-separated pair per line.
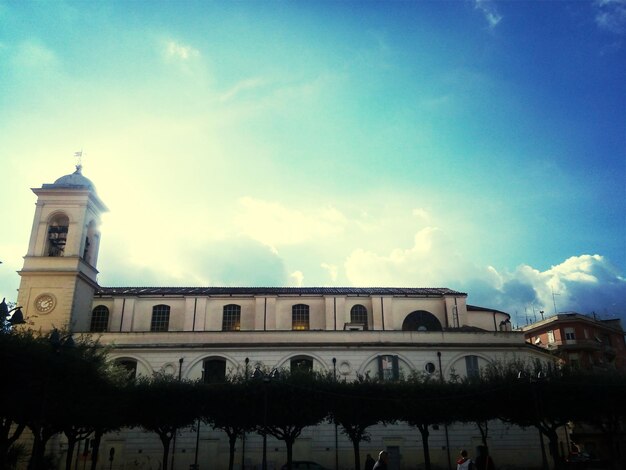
x,y
301,364
57,235
358,314
130,366
231,319
300,317
99,319
160,318
421,320
213,371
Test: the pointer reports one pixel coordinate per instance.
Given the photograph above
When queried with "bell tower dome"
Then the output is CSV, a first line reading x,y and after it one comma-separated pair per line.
x,y
59,275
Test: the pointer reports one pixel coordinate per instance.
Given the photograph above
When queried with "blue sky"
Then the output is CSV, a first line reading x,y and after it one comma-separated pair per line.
x,y
474,145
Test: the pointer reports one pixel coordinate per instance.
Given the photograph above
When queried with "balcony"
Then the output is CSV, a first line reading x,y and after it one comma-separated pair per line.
x,y
577,345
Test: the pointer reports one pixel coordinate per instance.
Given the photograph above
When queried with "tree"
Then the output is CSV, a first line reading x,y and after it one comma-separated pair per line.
x,y
290,403
546,388
356,406
163,404
423,402
228,406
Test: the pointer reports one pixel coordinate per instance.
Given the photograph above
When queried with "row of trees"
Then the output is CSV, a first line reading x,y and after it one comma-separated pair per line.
x,y
53,387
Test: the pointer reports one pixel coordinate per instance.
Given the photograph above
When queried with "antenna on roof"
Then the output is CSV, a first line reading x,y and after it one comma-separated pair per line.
x,y
554,300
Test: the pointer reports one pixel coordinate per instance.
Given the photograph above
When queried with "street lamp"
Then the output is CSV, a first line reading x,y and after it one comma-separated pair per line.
x,y
9,320
336,428
258,374
243,435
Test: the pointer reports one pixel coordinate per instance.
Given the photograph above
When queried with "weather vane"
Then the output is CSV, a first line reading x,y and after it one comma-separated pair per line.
x,y
79,159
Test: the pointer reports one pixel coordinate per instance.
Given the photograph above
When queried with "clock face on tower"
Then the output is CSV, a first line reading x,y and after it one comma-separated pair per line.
x,y
45,303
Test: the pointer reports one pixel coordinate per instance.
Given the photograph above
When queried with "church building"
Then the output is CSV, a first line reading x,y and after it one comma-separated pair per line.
x,y
208,332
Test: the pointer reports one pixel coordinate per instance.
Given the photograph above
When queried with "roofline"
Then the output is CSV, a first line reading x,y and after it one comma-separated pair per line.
x,y
569,317
224,290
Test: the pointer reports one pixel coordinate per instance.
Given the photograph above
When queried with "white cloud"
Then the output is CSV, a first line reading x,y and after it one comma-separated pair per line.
x,y
297,277
611,15
273,224
333,270
242,86
490,12
431,261
32,54
176,50
584,284
422,214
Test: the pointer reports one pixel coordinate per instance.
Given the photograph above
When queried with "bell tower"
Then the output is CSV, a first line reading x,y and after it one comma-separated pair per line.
x,y
59,276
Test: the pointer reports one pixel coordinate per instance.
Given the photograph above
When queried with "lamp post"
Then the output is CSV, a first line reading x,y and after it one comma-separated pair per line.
x,y
180,376
534,381
258,374
243,435
336,427
9,320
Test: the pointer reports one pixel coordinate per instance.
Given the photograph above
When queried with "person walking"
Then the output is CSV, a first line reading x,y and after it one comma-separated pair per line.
x,y
464,462
381,463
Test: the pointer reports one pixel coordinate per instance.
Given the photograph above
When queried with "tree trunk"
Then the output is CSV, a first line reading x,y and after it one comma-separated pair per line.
x,y
96,448
483,427
289,444
232,440
7,441
71,444
357,454
41,436
38,451
165,440
423,428
553,446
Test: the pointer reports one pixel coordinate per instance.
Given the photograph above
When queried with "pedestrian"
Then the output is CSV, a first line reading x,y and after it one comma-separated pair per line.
x,y
464,462
381,463
483,460
369,462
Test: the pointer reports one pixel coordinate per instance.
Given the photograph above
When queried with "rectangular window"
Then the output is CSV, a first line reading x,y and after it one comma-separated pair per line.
x,y
471,366
388,368
550,336
569,334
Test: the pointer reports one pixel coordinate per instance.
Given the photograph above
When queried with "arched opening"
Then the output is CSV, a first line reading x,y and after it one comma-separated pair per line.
x,y
130,366
214,370
57,235
90,243
421,320
301,364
